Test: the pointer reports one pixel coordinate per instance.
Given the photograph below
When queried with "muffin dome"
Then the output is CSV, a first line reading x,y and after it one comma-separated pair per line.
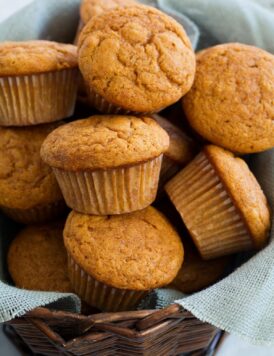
x,y
231,101
28,57
37,259
137,58
101,142
137,251
25,181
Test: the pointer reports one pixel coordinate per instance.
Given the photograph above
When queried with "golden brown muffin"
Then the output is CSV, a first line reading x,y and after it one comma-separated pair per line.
x,y
38,82
107,164
196,273
181,148
231,101
135,59
127,255
221,203
37,259
22,58
28,188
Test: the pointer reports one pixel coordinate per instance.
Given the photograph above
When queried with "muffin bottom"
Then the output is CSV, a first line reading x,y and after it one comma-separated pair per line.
x,y
38,98
38,214
113,191
100,295
208,211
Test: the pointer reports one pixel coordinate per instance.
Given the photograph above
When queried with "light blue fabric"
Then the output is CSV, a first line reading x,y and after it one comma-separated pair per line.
x,y
220,21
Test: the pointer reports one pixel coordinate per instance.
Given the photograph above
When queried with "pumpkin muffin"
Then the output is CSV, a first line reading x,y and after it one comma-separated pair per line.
x,y
37,259
107,164
196,273
231,101
113,261
181,149
29,192
38,82
221,203
135,59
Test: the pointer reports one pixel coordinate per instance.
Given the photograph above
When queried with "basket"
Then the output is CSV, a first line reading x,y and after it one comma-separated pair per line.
x,y
168,331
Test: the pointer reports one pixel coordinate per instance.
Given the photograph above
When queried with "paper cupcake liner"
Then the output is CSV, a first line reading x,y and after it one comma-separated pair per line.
x,y
39,214
105,107
100,295
168,169
207,210
37,98
114,191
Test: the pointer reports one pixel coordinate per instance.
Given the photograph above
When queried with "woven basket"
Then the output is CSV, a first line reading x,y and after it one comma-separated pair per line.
x,y
169,331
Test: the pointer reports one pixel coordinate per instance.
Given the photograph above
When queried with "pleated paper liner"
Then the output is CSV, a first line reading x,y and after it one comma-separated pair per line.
x,y
37,98
168,170
113,191
38,214
207,210
106,107
100,295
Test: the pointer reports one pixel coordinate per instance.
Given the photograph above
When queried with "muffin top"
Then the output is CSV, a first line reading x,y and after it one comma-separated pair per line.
x,y
137,251
231,101
181,147
104,141
137,58
90,8
196,273
244,190
37,259
30,57
25,181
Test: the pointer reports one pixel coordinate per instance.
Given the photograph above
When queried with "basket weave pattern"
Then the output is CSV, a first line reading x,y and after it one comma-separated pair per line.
x,y
169,331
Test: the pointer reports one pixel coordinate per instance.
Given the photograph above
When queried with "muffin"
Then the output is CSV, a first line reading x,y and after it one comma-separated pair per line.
x,y
29,192
38,82
89,9
107,164
196,273
231,101
113,261
181,149
221,203
135,60
37,259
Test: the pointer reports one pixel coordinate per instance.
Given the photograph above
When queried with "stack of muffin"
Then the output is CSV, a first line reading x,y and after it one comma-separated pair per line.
x,y
134,61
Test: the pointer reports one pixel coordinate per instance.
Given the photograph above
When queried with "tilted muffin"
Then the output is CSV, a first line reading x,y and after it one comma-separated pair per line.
x,y
231,101
37,259
38,81
107,164
221,203
180,151
196,273
135,59
29,192
113,261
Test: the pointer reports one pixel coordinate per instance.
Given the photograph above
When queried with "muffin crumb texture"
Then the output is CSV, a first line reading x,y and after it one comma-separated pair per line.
x,y
137,58
32,57
244,190
102,142
25,181
37,259
137,251
231,101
